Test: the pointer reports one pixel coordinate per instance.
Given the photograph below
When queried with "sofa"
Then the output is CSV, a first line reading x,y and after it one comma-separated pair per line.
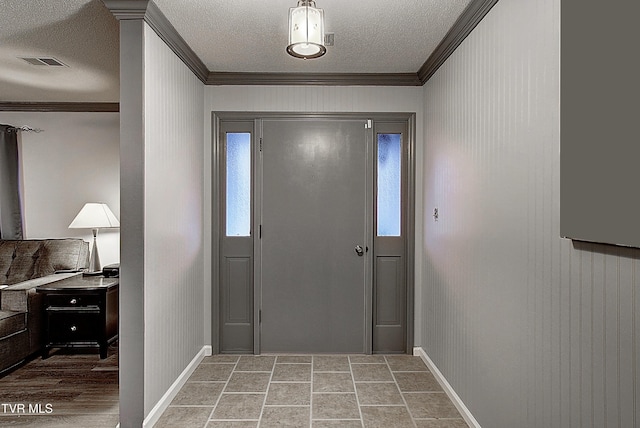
x,y
25,265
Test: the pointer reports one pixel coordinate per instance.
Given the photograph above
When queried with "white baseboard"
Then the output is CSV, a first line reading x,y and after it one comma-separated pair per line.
x,y
464,411
173,390
208,350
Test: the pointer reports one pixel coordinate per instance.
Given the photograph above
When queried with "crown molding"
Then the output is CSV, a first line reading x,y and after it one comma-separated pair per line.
x,y
470,17
60,107
147,10
127,9
335,79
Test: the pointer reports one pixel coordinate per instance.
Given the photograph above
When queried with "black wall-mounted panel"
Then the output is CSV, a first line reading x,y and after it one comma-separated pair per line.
x,y
600,118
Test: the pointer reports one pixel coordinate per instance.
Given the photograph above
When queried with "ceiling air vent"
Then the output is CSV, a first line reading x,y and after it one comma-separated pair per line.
x,y
329,39
44,61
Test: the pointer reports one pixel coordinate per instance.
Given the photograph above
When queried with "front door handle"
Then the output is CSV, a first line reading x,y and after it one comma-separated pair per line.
x,y
359,250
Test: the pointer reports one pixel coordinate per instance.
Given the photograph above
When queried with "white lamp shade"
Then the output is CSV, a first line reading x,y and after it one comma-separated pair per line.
x,y
94,215
306,31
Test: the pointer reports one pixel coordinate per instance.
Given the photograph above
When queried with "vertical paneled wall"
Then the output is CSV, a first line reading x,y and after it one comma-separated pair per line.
x,y
173,244
314,98
531,330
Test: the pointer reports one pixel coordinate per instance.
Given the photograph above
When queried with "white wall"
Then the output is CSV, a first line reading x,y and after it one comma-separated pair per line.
x,y
529,329
318,99
74,160
173,217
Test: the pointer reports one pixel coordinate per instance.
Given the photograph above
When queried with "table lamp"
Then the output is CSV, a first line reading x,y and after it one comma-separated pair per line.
x,y
94,215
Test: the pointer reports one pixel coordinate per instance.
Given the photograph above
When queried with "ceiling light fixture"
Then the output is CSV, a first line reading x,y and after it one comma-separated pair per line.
x,y
306,30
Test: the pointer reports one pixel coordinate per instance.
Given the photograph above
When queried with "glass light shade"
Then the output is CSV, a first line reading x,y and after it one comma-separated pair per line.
x,y
306,30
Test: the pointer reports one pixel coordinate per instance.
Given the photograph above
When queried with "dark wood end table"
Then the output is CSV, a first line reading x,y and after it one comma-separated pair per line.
x,y
81,311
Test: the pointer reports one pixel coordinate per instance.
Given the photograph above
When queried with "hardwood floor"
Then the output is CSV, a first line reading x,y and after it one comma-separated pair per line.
x,y
66,390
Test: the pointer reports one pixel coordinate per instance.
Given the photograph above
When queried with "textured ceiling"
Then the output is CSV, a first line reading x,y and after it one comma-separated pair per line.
x,y
82,34
372,36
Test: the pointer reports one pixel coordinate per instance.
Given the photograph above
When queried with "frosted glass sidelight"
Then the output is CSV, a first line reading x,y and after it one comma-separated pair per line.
x,y
238,199
389,184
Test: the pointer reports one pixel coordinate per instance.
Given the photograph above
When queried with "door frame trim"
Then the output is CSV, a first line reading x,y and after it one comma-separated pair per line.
x,y
216,118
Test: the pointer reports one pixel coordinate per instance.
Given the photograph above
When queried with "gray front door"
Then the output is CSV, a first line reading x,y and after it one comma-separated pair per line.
x,y
313,215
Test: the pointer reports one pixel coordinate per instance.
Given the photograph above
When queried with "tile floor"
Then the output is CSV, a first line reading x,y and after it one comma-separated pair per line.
x,y
311,391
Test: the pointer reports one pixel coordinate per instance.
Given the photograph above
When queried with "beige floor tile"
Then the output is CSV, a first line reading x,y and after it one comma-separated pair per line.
x,y
378,394
294,417
220,358
292,373
248,382
289,394
199,393
371,373
239,406
367,359
332,382
180,417
294,359
417,382
212,372
256,363
430,405
232,424
335,406
441,423
386,417
337,424
331,363
406,363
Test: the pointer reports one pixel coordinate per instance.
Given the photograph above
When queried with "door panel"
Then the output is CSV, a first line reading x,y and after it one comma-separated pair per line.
x,y
389,305
314,211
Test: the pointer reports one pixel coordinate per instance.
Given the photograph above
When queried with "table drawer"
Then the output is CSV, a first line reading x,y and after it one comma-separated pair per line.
x,y
70,300
74,327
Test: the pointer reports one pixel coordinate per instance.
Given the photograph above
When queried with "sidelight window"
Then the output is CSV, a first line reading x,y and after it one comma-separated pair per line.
x,y
389,167
238,179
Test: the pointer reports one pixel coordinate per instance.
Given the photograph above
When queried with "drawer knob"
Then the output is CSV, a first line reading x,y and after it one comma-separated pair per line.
x,y
74,328
73,301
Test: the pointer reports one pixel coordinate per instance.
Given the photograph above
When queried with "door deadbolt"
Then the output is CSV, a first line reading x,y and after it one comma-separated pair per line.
x,y
359,250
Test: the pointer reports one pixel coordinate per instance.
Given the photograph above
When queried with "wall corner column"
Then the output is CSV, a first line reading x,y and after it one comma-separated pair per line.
x,y
132,227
